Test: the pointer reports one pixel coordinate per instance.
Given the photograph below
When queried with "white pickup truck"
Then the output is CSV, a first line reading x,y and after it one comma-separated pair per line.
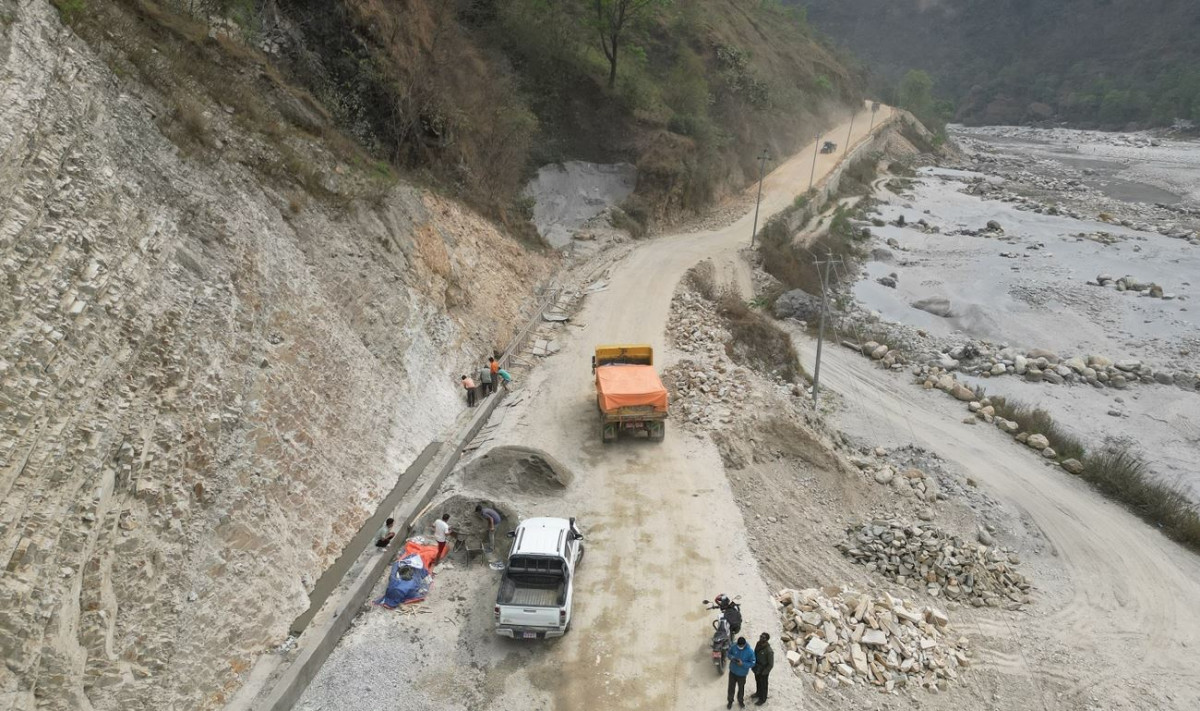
x,y
534,601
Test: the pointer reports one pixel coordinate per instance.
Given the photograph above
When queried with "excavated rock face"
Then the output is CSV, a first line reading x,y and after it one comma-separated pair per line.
x,y
204,390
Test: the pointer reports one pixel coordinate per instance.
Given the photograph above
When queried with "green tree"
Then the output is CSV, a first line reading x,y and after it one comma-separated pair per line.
x,y
916,93
612,18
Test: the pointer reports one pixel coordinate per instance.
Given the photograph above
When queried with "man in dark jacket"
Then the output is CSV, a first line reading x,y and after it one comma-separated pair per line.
x,y
764,659
741,661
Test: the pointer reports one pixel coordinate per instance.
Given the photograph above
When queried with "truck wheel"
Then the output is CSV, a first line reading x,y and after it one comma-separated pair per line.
x,y
658,431
608,433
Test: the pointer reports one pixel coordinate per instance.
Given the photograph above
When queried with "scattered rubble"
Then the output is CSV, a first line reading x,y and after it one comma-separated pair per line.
x,y
922,556
708,390
847,638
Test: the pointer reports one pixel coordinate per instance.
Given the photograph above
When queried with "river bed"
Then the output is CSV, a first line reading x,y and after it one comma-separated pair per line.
x,y
1032,283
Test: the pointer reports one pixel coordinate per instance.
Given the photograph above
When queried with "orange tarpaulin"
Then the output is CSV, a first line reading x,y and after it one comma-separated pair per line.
x,y
620,386
427,552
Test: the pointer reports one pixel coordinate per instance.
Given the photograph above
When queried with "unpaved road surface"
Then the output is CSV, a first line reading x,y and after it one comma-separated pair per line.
x,y
663,529
1130,613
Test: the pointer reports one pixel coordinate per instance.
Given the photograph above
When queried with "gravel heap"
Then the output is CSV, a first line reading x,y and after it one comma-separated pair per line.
x,y
847,639
917,555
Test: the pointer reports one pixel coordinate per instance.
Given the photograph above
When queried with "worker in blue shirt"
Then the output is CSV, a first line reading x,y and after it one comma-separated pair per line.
x,y
741,661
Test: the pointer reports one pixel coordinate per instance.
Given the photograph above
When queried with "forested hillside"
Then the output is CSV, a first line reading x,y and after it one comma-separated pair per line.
x,y
1101,63
476,94
481,90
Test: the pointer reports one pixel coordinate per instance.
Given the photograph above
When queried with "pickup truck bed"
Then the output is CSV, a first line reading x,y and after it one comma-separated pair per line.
x,y
528,593
534,597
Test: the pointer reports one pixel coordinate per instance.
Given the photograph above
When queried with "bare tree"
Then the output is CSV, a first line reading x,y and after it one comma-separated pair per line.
x,y
612,16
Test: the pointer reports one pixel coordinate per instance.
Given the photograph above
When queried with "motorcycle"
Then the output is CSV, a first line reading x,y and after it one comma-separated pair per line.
x,y
723,630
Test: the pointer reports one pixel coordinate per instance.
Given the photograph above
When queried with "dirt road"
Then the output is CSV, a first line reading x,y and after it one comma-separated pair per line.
x,y
1129,618
664,531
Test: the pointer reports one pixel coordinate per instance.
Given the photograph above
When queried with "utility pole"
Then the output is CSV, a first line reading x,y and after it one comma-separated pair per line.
x,y
874,109
823,268
816,149
848,135
762,168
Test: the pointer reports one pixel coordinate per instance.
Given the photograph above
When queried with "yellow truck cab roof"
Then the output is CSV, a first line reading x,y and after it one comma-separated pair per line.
x,y
630,354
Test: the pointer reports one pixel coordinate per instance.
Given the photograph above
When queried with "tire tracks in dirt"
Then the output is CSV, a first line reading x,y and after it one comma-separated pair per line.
x,y
1132,615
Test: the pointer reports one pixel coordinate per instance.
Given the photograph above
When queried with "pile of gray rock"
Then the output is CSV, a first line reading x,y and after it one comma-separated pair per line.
x,y
1039,365
909,482
923,557
708,390
706,393
694,325
887,356
849,639
1128,283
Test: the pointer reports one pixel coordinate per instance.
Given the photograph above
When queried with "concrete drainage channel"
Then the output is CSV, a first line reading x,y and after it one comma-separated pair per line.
x,y
277,680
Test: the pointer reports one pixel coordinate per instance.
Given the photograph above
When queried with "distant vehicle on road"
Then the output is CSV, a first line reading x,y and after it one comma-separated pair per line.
x,y
629,394
536,591
828,147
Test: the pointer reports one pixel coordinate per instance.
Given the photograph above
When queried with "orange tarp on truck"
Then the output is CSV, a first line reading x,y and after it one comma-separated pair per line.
x,y
620,386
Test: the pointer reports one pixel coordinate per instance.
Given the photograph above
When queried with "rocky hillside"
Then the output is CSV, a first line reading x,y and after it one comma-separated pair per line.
x,y
1097,63
226,331
480,93
229,322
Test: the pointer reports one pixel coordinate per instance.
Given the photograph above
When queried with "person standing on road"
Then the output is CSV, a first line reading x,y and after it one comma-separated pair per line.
x,y
485,379
441,529
469,386
494,369
764,659
741,661
492,518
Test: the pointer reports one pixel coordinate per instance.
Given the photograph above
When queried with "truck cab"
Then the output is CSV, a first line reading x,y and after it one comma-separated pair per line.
x,y
534,601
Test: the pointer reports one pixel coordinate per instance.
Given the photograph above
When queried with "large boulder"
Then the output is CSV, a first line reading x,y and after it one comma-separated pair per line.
x,y
798,304
1038,442
1073,465
882,254
936,305
1038,353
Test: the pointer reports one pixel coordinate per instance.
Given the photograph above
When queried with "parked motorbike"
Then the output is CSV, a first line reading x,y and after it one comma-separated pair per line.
x,y
727,624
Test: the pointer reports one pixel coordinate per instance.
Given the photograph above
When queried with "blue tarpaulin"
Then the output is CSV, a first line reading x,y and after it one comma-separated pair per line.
x,y
408,581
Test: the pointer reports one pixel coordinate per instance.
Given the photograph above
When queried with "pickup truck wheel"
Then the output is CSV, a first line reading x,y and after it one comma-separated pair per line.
x,y
582,550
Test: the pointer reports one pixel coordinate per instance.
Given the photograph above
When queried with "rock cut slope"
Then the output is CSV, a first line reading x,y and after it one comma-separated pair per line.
x,y
206,382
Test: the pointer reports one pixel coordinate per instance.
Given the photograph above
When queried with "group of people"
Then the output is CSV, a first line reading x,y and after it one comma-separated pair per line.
x,y
490,375
442,529
743,659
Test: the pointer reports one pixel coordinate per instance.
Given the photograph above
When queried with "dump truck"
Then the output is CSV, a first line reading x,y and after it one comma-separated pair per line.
x,y
629,394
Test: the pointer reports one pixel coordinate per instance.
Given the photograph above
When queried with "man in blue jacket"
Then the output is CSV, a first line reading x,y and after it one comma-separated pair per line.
x,y
741,661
